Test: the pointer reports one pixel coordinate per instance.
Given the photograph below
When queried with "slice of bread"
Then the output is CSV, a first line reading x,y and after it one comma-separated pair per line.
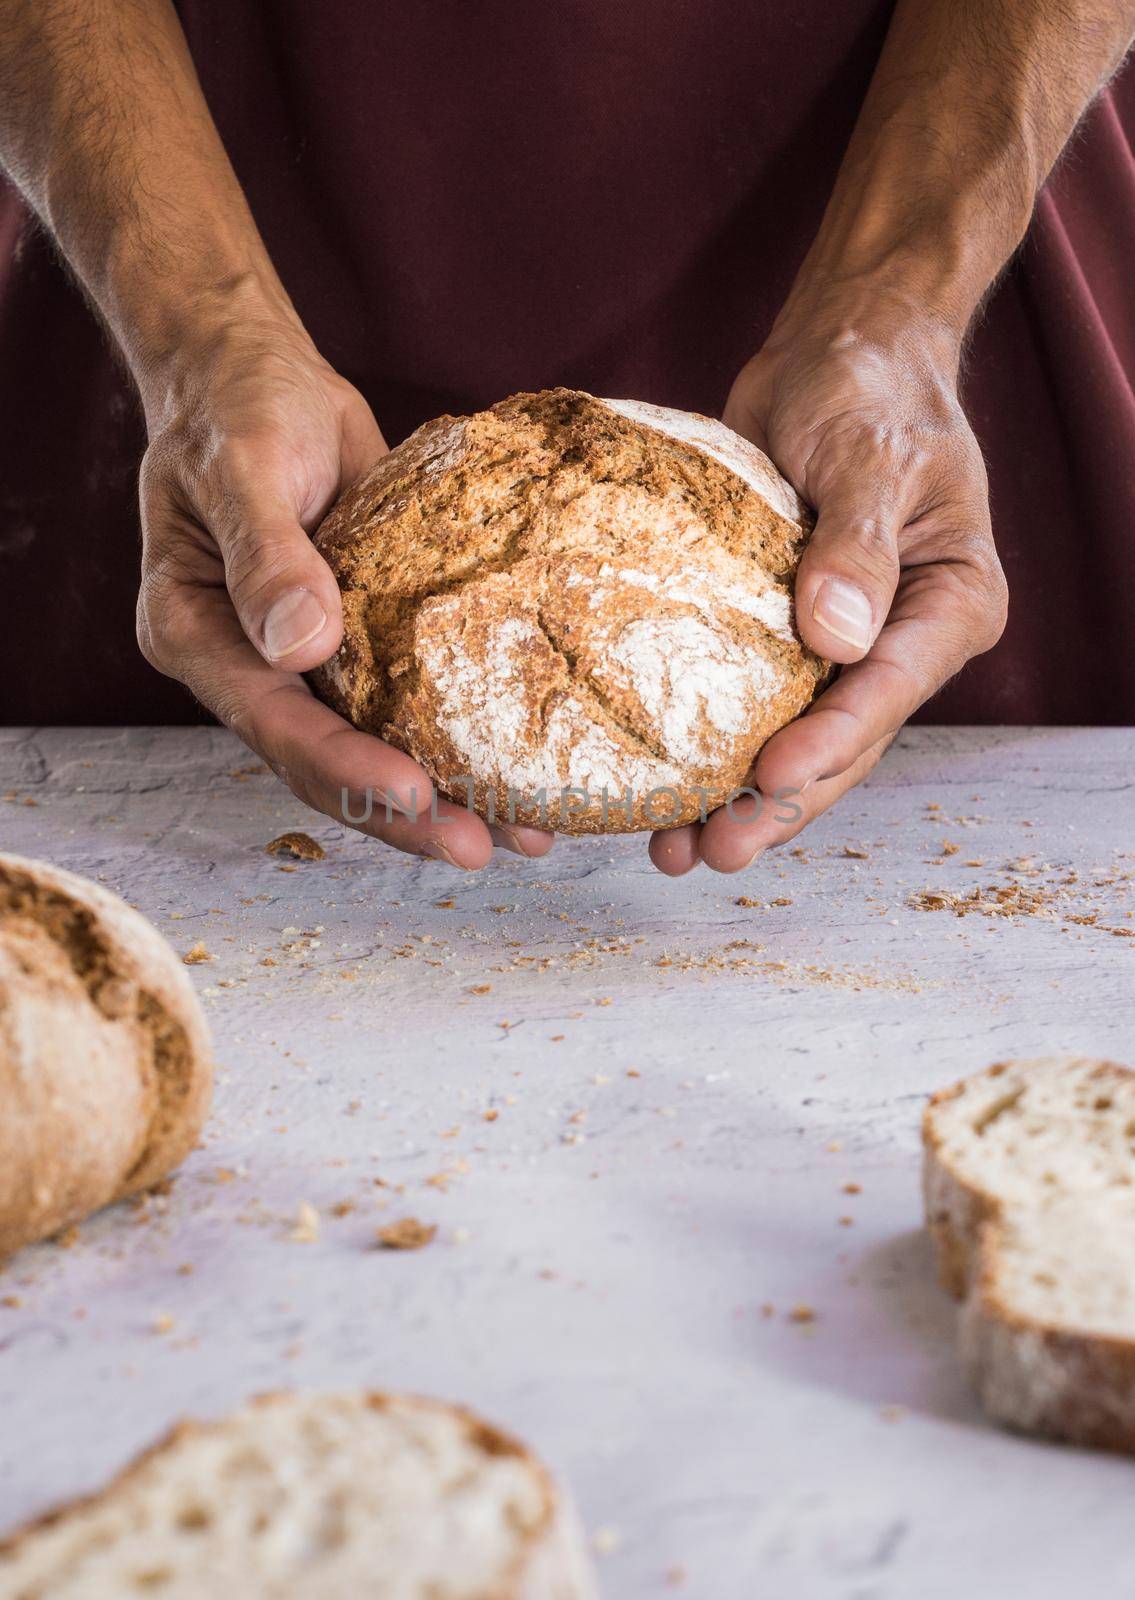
x,y
1021,1134
314,1497
1048,1330
1029,1183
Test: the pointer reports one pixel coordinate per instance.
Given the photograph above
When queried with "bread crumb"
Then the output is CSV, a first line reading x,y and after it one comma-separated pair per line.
x,y
442,1180
306,1230
802,1313
852,1188
746,900
949,848
480,988
197,955
163,1322
676,1576
855,855
300,845
406,1234
11,1301
490,1116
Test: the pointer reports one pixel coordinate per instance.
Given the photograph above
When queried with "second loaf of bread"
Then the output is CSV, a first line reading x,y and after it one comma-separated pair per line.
x,y
572,612
105,1062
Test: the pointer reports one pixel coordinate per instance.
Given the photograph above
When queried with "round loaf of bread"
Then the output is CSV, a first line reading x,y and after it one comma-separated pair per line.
x,y
572,612
105,1064
315,1497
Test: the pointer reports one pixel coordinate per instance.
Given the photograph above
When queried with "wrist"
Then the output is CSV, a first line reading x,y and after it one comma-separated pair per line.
x,y
922,219
177,348
880,307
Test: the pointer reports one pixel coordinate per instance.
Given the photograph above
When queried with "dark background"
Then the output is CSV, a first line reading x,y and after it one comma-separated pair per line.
x,y
469,200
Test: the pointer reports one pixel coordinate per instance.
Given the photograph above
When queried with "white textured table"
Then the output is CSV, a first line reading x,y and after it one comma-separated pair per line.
x,y
635,1146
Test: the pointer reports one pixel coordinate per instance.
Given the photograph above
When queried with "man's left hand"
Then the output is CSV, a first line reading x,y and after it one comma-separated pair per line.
x,y
857,405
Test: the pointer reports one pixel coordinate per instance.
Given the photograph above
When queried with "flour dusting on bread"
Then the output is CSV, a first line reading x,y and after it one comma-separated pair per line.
x,y
720,442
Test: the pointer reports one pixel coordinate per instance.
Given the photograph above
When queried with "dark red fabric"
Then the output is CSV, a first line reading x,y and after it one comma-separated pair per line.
x,y
466,200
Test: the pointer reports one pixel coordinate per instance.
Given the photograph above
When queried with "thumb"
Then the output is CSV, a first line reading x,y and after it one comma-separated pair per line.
x,y
848,574
284,592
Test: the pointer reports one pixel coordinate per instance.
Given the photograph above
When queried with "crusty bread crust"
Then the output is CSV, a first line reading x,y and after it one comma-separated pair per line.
x,y
105,1061
549,1563
566,593
1055,1382
954,1208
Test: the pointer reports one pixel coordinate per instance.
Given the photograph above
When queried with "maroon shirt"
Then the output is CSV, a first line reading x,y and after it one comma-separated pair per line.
x,y
467,200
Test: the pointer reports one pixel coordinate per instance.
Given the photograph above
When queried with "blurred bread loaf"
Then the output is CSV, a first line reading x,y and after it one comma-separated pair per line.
x,y
105,1063
315,1497
562,596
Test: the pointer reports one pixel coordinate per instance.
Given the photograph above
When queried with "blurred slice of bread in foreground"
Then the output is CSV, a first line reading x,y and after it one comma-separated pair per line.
x,y
314,1497
1029,1182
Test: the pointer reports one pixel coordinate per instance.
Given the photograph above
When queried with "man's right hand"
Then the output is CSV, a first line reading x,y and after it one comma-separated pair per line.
x,y
251,441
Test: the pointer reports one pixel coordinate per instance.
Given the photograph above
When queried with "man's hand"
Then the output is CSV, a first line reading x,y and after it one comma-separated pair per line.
x,y
252,435
854,396
249,447
901,579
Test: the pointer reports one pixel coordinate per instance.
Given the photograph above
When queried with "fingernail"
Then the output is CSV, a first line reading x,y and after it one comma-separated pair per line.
x,y
294,619
437,851
844,610
505,839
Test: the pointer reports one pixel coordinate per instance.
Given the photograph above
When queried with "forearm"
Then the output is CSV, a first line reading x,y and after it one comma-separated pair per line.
x,y
104,127
970,106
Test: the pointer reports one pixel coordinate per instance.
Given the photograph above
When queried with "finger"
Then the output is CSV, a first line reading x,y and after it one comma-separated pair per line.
x,y
350,776
362,442
941,617
732,840
745,408
850,568
284,592
522,841
674,851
